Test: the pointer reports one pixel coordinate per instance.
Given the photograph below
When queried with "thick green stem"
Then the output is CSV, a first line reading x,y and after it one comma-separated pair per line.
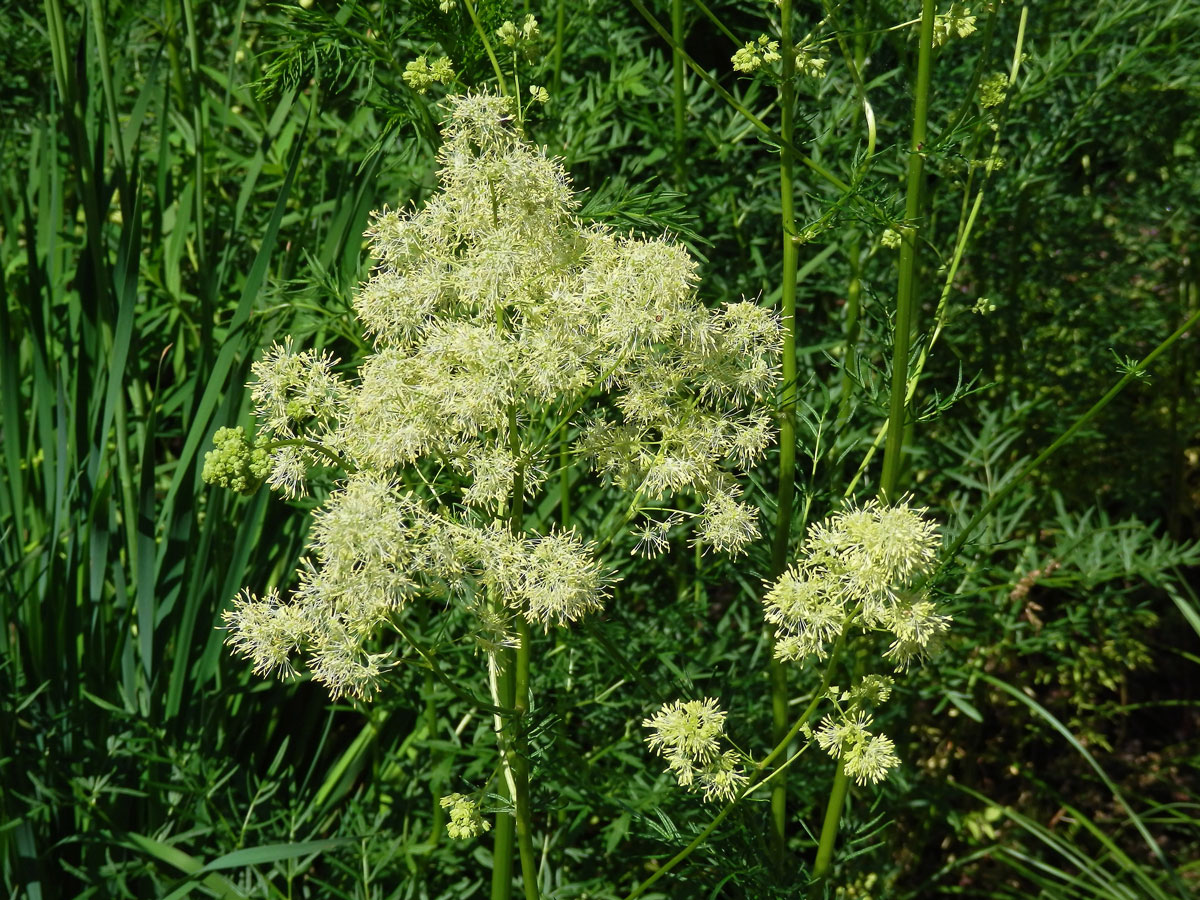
x,y
505,830
787,416
519,764
966,227
907,287
833,812
513,745
897,414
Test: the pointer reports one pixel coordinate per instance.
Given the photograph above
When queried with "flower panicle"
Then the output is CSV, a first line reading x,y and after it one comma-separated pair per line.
x,y
492,300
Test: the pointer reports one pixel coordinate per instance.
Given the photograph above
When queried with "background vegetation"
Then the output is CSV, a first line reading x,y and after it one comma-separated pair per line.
x,y
181,183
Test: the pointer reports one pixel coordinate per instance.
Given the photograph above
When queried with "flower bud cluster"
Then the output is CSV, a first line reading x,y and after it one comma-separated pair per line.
x,y
421,75
523,38
750,59
465,820
809,60
956,22
688,734
992,90
236,462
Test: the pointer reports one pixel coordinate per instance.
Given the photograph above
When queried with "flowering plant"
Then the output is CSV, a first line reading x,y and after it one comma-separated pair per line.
x,y
507,335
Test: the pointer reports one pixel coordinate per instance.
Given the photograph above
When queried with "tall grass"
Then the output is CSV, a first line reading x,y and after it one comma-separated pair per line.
x,y
141,226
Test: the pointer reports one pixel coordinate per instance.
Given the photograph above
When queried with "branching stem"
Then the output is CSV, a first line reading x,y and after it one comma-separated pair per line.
x,y
762,772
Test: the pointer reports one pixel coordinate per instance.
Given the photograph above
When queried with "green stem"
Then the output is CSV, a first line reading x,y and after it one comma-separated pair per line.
x,y
965,229
750,117
787,417
677,92
897,414
829,829
906,290
505,830
517,760
519,764
487,45
715,19
560,29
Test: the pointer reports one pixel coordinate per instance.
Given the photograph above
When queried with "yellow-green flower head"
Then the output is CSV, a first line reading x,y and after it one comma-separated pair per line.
x,y
874,547
558,580
871,760
687,728
859,562
918,628
688,734
807,606
724,778
865,756
465,819
266,631
727,524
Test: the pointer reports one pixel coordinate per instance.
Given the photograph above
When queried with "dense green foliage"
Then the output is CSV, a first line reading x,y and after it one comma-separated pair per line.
x,y
183,184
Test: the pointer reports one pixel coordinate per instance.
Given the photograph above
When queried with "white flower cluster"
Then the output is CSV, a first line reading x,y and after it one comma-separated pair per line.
x,y
496,318
861,562
688,735
296,396
374,548
865,756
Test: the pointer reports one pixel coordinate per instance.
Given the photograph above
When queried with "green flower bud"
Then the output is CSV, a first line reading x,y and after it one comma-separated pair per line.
x,y
992,90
